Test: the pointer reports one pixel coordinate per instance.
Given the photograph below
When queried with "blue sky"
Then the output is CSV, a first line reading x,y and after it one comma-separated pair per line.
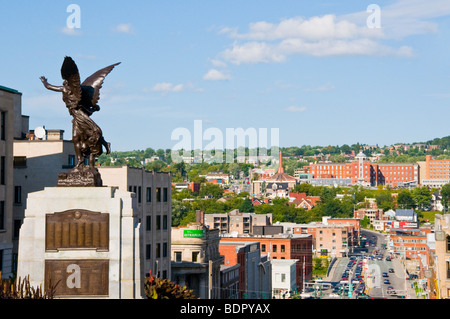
x,y
312,69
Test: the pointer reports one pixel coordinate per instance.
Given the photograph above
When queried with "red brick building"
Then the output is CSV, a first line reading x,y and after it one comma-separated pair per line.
x,y
284,247
362,170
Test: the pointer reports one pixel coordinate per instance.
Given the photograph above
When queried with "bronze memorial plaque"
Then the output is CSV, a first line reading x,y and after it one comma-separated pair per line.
x,y
75,229
86,277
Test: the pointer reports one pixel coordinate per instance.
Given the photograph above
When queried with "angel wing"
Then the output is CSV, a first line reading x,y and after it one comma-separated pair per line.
x,y
93,84
69,72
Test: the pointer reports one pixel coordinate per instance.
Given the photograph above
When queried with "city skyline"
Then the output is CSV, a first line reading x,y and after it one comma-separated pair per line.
x,y
323,73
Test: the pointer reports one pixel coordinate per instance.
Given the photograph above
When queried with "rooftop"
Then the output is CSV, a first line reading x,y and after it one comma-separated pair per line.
x,y
4,88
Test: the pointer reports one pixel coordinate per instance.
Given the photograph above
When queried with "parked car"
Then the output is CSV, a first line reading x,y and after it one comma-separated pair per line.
x,y
391,270
387,282
388,258
385,274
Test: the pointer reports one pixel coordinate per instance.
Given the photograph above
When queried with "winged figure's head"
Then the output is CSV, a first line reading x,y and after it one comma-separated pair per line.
x,y
69,69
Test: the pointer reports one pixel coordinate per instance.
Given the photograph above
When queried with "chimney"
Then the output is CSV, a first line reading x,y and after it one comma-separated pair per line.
x,y
200,217
280,164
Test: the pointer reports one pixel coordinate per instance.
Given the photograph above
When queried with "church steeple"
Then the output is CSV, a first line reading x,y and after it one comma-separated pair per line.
x,y
280,164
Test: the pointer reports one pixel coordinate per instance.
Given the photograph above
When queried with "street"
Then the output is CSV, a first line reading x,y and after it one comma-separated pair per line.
x,y
374,272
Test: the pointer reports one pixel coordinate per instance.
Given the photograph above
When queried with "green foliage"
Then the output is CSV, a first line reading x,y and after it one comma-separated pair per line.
x,y
246,206
156,288
211,190
445,193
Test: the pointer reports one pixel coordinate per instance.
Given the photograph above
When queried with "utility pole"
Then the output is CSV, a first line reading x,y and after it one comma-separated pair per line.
x,y
304,276
210,279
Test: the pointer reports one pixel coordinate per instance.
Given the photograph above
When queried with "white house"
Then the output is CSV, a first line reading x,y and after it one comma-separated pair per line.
x,y
283,278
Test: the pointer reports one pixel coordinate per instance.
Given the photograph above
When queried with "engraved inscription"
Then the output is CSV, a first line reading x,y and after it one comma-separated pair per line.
x,y
74,229
86,277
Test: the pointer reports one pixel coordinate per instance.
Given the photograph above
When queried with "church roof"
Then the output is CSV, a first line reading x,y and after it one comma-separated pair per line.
x,y
281,176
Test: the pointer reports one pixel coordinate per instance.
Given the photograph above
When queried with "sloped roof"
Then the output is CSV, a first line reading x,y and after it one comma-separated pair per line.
x,y
281,176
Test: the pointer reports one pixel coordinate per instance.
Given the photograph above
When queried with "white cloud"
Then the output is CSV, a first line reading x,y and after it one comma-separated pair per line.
x,y
166,87
124,28
331,35
218,63
295,109
323,88
70,31
216,75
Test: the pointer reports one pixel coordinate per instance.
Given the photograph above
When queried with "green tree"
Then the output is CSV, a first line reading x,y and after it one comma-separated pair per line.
x,y
445,193
246,206
405,200
209,189
422,197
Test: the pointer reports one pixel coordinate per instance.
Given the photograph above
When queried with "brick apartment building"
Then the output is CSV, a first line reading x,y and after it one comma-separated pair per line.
x,y
254,269
434,173
285,246
362,171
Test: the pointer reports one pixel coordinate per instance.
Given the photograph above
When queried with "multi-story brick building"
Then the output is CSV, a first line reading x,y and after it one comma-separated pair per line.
x,y
363,172
254,268
284,246
434,173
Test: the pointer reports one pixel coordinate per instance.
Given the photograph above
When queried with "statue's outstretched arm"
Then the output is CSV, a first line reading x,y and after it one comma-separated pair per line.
x,y
51,87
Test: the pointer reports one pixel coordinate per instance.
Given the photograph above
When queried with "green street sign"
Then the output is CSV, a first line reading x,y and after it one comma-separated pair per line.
x,y
194,233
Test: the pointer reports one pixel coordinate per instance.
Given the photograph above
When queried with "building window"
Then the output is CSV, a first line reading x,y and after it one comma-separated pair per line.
x,y
149,194
17,224
20,162
274,248
283,248
164,249
2,214
148,251
139,194
17,194
71,160
195,256
3,126
165,222
178,256
165,194
158,194
148,223
2,170
158,222
158,250
263,247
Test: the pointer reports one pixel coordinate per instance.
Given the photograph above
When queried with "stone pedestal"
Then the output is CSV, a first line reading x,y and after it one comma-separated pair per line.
x,y
83,239
83,176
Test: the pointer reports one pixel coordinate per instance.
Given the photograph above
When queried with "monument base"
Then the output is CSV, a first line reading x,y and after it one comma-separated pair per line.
x,y
84,240
82,176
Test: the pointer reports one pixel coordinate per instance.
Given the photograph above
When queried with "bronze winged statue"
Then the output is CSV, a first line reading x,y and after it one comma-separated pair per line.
x,y
81,100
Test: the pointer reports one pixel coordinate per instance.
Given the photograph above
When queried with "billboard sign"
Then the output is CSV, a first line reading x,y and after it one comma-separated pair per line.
x,y
194,233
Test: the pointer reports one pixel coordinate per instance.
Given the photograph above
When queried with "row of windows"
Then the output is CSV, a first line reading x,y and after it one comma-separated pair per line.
x,y
160,250
179,256
274,248
162,194
159,225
